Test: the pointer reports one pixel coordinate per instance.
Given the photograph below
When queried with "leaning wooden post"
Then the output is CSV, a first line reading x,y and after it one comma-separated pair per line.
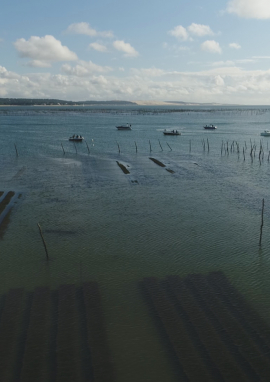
x,y
63,149
87,147
118,147
75,147
44,243
16,150
160,145
260,242
169,146
136,146
150,146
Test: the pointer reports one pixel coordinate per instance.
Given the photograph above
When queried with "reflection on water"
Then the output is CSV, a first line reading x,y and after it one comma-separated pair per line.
x,y
114,228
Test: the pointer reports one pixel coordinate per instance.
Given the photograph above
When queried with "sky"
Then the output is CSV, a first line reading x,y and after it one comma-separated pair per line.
x,y
151,50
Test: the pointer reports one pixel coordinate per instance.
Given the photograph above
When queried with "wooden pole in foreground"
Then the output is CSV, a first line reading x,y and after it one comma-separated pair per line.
x,y
118,147
160,145
150,146
136,146
63,149
260,242
75,147
16,150
87,147
169,146
44,243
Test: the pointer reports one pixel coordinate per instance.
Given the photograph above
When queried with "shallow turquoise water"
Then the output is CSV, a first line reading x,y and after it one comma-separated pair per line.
x,y
103,225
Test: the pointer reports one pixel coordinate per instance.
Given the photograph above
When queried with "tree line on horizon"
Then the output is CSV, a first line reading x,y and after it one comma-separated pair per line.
x,y
56,102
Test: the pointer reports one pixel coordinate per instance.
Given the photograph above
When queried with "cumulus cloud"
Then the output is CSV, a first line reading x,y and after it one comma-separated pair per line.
x,y
39,64
234,45
98,47
219,80
259,9
200,30
211,46
43,50
84,69
179,32
86,29
125,47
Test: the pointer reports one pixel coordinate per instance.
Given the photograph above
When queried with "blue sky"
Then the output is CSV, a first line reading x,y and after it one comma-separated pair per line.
x,y
152,50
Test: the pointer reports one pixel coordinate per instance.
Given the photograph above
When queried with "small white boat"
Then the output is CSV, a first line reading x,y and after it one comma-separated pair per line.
x,y
76,138
266,133
124,127
171,132
209,127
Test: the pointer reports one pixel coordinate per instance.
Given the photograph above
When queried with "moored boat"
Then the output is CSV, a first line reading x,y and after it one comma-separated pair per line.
x,y
266,133
209,127
124,127
171,132
76,138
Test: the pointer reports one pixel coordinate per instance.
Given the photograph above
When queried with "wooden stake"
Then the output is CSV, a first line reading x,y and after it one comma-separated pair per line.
x,y
87,147
63,149
75,147
260,242
169,146
150,146
16,150
118,147
136,146
44,243
160,145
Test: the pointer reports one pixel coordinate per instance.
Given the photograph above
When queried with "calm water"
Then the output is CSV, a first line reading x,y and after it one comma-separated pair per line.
x,y
100,224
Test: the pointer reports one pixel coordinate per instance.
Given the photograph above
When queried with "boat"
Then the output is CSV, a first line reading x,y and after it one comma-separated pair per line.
x,y
76,138
209,127
171,132
266,133
124,127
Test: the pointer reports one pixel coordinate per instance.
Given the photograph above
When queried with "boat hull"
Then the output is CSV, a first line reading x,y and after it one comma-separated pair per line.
x,y
76,139
124,127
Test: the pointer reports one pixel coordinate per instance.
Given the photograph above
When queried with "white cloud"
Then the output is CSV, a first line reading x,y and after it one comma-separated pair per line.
x,y
211,46
38,64
85,28
97,46
218,80
84,69
179,32
223,63
200,30
126,48
259,9
234,45
43,50
149,72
